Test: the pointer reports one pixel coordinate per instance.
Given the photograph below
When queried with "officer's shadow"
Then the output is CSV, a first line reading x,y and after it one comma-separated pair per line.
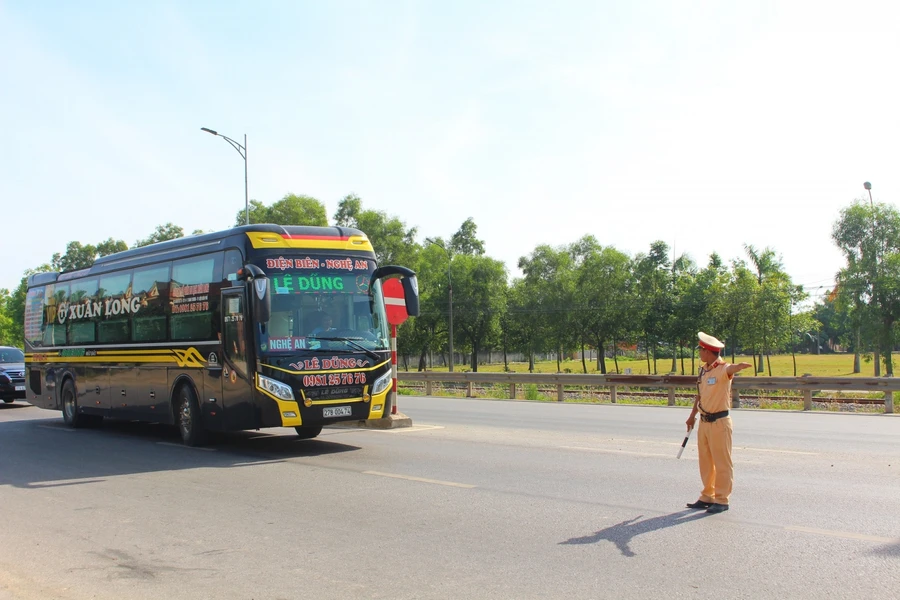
x,y
622,533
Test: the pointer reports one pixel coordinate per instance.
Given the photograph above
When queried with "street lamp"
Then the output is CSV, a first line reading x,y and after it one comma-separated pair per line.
x,y
450,290
242,150
868,187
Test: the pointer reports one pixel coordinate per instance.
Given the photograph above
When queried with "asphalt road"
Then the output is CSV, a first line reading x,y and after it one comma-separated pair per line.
x,y
479,499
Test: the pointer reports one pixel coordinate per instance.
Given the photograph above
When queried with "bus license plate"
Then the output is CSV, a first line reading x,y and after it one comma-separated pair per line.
x,y
336,411
20,388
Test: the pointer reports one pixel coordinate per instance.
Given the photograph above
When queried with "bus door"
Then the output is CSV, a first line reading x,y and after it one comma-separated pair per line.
x,y
237,380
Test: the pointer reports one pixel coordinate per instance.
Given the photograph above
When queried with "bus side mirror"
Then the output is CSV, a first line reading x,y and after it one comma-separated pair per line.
x,y
260,299
411,295
410,285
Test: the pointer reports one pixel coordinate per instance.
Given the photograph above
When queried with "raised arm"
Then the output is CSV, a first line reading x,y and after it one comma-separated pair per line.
x,y
732,369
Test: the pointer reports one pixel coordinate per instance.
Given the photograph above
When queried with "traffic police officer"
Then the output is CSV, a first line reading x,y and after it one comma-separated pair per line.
x,y
714,435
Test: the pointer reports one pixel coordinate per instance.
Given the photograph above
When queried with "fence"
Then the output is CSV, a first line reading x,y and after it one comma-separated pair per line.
x,y
807,384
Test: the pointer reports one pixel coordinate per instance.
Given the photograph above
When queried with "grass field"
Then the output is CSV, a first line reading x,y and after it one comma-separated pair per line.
x,y
822,365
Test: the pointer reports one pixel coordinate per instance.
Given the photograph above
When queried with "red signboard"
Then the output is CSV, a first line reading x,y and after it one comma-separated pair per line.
x,y
394,301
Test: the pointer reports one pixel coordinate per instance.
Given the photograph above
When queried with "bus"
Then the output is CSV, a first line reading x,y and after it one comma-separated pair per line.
x,y
252,327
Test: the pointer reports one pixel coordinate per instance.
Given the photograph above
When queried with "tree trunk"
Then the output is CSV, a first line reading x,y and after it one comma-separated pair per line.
x,y
583,361
474,358
856,365
530,361
559,359
615,356
505,358
647,349
422,363
674,358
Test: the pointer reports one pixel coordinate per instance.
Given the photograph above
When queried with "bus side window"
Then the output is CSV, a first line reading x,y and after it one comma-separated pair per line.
x,y
151,287
55,332
114,325
233,263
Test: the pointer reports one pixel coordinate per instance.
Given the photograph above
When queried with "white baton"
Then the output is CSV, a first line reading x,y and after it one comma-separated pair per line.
x,y
684,443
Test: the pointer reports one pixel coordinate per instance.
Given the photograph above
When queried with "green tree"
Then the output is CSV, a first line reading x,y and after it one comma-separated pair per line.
x,y
394,244
550,278
80,256
7,328
429,330
464,241
869,237
654,286
604,282
290,210
768,267
480,283
161,234
524,327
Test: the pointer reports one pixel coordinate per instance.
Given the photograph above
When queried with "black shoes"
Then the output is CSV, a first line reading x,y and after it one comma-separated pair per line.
x,y
717,508
700,505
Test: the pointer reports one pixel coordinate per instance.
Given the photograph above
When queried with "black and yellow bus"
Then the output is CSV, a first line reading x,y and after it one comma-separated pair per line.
x,y
257,326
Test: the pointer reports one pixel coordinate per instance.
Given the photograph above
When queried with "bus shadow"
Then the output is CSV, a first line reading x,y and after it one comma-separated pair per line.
x,y
40,453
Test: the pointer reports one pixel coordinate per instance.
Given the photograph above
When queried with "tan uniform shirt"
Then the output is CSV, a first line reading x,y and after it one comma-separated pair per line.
x,y
715,387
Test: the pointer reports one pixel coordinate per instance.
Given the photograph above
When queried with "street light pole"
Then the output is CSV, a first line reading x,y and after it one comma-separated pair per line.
x,y
242,150
450,295
868,187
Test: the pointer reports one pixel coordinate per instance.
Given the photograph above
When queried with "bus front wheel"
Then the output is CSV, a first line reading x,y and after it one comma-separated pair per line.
x,y
308,432
190,424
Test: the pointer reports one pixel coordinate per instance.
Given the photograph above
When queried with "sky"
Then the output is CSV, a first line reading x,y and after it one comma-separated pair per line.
x,y
708,125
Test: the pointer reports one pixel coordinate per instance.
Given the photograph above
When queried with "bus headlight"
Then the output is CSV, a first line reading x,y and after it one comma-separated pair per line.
x,y
276,388
382,383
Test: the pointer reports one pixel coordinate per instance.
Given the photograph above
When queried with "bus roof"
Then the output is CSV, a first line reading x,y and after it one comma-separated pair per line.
x,y
286,236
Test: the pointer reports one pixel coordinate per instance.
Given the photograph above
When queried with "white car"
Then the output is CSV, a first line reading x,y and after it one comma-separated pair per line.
x,y
12,374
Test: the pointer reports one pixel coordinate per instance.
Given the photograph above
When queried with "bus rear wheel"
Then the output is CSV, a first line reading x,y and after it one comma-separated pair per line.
x,y
308,432
71,416
190,423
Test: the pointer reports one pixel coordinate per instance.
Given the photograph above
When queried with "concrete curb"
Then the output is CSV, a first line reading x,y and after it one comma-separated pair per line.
x,y
389,422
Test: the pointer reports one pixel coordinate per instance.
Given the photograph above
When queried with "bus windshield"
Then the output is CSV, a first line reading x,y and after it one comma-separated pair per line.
x,y
324,309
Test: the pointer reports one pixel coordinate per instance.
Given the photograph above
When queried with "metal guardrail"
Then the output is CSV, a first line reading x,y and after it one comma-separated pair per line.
x,y
806,384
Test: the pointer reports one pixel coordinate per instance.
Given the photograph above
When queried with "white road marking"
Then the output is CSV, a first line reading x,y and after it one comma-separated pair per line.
x,y
631,452
613,451
56,428
742,448
779,451
420,479
337,429
186,447
848,535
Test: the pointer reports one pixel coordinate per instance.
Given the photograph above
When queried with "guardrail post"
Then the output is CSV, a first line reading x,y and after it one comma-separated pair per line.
x,y
889,402
469,391
512,391
735,398
428,387
612,394
560,396
672,396
807,399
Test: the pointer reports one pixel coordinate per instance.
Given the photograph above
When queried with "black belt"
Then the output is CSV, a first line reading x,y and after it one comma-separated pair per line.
x,y
713,417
